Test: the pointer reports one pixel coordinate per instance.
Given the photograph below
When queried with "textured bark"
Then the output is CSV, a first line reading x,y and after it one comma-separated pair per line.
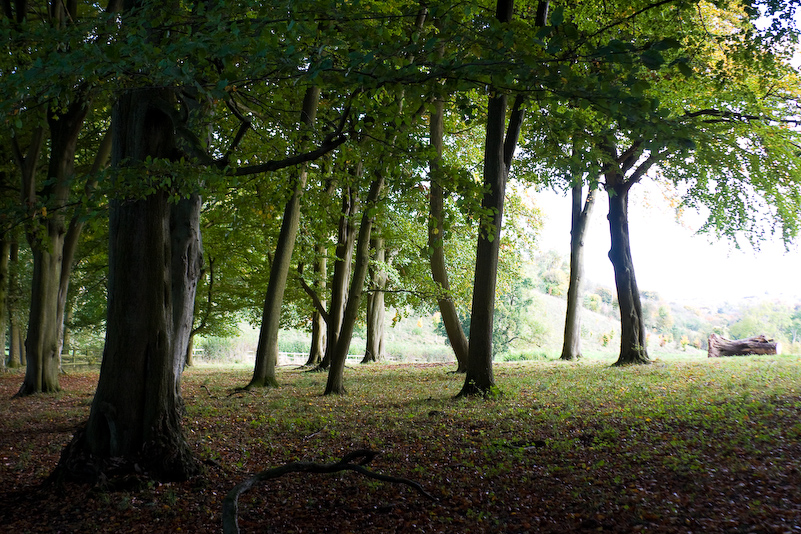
x,y
267,349
70,246
43,342
154,265
336,373
376,311
720,346
479,379
16,353
317,348
5,251
346,240
498,153
571,347
632,323
436,236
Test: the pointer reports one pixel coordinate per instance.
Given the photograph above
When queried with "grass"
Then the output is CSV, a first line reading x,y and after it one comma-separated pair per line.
x,y
685,443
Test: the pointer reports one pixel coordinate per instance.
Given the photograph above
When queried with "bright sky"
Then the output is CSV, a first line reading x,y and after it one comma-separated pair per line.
x,y
670,257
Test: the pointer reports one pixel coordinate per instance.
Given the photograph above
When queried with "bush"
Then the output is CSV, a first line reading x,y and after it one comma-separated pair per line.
x,y
224,349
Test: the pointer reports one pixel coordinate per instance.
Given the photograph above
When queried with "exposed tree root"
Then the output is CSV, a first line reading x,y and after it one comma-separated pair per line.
x,y
361,458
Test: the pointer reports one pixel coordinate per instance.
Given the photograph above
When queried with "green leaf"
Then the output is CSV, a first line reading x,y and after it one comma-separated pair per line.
x,y
558,16
652,59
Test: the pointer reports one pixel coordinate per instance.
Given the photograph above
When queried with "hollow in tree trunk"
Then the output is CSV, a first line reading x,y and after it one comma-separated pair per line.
x,y
571,348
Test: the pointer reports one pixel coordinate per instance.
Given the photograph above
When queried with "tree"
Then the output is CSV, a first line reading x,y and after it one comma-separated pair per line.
x,y
499,148
374,351
267,351
436,237
581,210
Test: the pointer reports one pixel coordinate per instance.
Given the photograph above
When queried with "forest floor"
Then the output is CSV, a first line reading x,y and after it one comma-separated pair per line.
x,y
675,446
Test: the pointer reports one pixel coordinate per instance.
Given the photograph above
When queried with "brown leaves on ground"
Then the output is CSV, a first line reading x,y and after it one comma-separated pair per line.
x,y
673,448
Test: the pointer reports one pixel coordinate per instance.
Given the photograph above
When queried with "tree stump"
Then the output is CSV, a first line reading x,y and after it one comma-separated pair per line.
x,y
720,346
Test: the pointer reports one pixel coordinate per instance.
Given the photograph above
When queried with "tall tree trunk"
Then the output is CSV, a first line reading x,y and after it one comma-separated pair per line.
x,y
436,243
16,354
571,348
43,343
632,324
346,239
479,377
70,246
376,311
335,383
498,154
154,266
267,350
16,357
5,251
317,347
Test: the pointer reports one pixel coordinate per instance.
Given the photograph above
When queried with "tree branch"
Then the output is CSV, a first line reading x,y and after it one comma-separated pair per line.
x,y
361,458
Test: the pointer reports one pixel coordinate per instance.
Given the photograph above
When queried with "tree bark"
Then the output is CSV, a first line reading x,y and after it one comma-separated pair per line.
x,y
571,347
335,383
43,343
267,350
317,348
376,311
346,240
154,265
5,251
479,379
498,153
436,242
720,346
16,356
632,321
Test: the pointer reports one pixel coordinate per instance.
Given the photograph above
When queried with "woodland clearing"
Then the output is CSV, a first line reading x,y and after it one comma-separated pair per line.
x,y
676,446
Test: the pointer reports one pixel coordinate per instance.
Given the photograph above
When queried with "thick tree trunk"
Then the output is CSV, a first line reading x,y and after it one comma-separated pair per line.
x,y
720,346
267,350
376,311
632,323
154,266
436,243
336,374
571,348
43,343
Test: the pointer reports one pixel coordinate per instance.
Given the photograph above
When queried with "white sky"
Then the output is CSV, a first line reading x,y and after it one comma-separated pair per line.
x,y
670,257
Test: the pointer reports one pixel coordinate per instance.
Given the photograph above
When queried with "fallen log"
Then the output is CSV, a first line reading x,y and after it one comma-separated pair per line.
x,y
720,346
